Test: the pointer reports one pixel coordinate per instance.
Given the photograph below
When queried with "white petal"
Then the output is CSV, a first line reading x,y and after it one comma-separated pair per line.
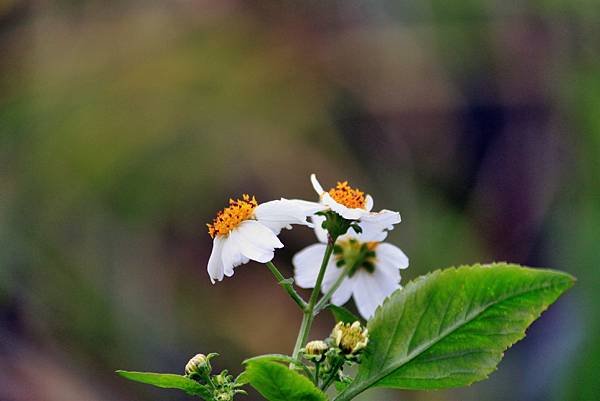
x,y
384,218
231,255
391,257
255,241
369,233
344,291
375,226
345,212
316,185
368,203
279,214
215,264
307,263
370,291
331,275
320,232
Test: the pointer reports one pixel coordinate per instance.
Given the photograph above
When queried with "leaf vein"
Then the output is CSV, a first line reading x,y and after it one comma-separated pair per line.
x,y
466,320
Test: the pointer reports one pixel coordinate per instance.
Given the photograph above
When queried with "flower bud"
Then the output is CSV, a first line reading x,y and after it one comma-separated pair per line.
x,y
350,338
220,379
315,350
198,364
224,396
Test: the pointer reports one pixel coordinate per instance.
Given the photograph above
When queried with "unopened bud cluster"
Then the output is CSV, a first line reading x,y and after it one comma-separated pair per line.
x,y
222,386
343,347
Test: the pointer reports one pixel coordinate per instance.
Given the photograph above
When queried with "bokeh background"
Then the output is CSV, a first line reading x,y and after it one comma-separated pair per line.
x,y
125,125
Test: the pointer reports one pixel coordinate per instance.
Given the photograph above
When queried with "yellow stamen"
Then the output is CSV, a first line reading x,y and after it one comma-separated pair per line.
x,y
350,338
348,196
355,255
230,217
372,245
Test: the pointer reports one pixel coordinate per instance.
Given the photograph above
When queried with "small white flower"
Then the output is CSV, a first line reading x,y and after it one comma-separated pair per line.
x,y
353,204
246,231
374,269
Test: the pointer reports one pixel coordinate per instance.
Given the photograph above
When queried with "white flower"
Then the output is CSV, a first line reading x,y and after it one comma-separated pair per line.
x,y
373,269
353,204
246,231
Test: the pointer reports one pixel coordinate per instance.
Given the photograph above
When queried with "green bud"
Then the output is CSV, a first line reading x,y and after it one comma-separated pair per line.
x,y
220,379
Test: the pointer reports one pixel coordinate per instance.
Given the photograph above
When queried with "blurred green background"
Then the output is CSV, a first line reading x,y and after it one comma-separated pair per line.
x,y
125,125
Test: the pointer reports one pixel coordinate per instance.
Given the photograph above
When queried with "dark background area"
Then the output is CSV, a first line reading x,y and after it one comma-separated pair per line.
x,y
125,126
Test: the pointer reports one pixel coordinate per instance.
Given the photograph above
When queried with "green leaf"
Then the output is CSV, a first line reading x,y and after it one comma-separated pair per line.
x,y
168,380
341,314
242,378
451,327
272,357
341,386
280,358
276,382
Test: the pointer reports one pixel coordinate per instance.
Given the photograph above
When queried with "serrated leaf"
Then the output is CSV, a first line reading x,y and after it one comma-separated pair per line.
x,y
168,380
276,382
451,327
341,314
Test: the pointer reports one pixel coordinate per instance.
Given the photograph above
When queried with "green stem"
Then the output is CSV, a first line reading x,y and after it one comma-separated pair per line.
x,y
208,379
287,286
308,317
302,333
331,377
317,365
325,299
302,366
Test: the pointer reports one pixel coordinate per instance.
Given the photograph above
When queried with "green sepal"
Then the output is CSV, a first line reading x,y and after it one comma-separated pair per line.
x,y
336,225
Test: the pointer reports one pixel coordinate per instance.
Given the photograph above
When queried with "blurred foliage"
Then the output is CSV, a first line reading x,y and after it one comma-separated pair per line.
x,y
124,126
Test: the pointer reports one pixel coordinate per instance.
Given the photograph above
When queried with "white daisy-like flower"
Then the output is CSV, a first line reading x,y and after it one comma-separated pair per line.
x,y
245,231
353,204
372,268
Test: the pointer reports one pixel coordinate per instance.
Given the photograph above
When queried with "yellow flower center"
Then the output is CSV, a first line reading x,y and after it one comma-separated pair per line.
x,y
354,255
230,217
348,196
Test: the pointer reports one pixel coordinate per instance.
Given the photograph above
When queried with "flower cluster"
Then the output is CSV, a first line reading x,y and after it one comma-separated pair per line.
x,y
351,259
361,265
